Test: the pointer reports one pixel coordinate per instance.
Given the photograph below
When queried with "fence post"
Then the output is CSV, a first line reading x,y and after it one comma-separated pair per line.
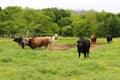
x,y
4,35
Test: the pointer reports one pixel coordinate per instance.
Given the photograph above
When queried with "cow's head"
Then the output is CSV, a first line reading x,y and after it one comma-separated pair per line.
x,y
18,39
81,42
28,41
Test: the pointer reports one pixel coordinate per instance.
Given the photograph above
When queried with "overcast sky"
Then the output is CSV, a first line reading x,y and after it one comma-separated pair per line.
x,y
98,5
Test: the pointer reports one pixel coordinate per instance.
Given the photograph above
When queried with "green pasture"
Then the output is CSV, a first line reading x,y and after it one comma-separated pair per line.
x,y
40,64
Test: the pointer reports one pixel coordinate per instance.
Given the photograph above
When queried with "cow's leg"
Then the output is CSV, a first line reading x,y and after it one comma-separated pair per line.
x,y
88,54
22,44
46,47
85,55
79,54
51,46
33,48
19,44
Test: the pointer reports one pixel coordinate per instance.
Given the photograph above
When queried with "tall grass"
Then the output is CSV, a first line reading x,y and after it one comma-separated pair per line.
x,y
40,64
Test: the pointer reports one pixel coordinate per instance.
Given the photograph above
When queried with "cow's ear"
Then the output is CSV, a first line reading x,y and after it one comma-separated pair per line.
x,y
29,40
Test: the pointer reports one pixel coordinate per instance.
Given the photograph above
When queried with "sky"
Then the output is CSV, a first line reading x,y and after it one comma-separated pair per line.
x,y
98,5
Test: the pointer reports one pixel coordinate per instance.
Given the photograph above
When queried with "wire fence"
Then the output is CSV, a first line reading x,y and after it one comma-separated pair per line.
x,y
11,36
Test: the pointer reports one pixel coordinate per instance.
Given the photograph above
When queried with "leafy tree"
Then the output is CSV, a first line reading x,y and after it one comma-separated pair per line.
x,y
78,28
86,24
14,19
48,12
67,31
101,19
64,21
2,16
112,27
11,10
107,24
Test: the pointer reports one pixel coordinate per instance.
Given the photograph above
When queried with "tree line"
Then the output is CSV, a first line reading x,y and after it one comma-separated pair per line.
x,y
15,20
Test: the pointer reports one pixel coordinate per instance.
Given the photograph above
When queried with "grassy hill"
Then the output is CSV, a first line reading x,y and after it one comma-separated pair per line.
x,y
40,64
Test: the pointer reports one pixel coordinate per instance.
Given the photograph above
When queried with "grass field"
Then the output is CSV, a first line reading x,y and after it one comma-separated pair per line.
x,y
40,64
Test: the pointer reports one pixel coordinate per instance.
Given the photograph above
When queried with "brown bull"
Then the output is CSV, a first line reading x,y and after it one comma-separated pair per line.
x,y
38,42
93,38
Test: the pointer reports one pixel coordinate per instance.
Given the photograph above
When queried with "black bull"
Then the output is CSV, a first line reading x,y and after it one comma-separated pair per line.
x,y
83,46
109,38
21,41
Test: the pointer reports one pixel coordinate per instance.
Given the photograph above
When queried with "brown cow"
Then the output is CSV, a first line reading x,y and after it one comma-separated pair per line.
x,y
38,42
93,38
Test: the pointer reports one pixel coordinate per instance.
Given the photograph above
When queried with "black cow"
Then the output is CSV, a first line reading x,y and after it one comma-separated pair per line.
x,y
83,46
20,41
109,38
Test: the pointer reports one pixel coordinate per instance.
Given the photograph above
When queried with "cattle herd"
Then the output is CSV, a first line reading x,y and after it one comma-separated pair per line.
x,y
35,42
83,44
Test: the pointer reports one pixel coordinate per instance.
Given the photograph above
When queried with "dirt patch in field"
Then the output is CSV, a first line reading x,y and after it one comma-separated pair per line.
x,y
69,46
96,46
63,46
